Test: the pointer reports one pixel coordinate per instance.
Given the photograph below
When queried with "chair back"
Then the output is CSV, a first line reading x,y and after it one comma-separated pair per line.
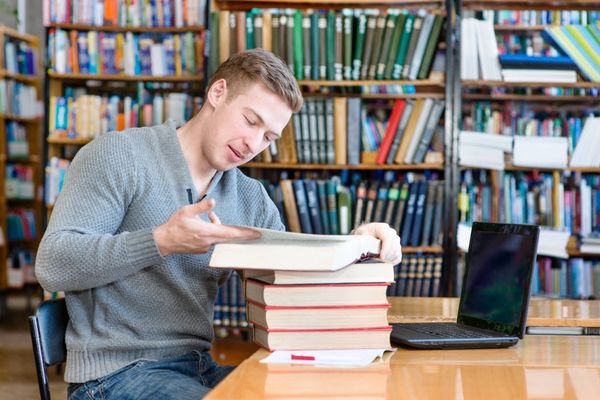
x,y
48,327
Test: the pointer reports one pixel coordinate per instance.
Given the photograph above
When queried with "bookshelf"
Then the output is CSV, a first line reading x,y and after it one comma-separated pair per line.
x,y
234,27
21,156
114,70
519,107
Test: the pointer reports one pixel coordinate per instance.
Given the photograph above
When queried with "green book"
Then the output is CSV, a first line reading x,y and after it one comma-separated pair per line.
x,y
306,45
330,44
289,43
275,33
431,47
258,29
214,44
395,43
338,65
344,203
250,44
347,53
322,46
298,46
414,38
368,49
314,45
380,25
401,55
390,29
359,45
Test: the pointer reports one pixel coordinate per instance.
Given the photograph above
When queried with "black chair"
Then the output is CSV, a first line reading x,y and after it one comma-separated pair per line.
x,y
48,327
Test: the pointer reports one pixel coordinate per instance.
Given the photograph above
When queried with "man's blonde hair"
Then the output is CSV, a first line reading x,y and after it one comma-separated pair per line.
x,y
258,65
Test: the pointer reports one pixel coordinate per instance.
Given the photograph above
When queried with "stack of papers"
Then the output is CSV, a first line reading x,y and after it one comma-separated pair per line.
x,y
483,150
342,358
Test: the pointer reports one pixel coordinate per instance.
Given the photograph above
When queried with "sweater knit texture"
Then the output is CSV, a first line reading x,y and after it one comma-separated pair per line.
x,y
126,302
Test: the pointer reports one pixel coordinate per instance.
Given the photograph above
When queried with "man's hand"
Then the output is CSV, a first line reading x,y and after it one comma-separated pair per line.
x,y
185,232
391,250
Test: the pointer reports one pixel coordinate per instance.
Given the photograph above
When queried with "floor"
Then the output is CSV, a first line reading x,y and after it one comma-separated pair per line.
x,y
17,369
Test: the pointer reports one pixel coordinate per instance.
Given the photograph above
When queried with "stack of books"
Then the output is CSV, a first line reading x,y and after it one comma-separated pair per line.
x,y
524,68
312,291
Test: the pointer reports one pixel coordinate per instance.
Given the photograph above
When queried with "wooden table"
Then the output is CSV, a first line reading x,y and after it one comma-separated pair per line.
x,y
538,367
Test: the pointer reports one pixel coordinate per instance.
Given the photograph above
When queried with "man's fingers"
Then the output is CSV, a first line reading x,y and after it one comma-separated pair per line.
x,y
224,233
213,217
201,207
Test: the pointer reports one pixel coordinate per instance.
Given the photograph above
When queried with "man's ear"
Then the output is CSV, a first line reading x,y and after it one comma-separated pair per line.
x,y
217,92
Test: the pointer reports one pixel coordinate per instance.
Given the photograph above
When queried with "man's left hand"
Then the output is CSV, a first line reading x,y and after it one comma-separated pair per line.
x,y
391,250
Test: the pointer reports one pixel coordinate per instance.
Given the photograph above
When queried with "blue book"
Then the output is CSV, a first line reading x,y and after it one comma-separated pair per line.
x,y
314,209
417,223
524,61
302,206
410,212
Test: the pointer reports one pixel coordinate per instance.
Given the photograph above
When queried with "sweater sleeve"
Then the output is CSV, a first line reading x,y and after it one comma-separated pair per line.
x,y
82,247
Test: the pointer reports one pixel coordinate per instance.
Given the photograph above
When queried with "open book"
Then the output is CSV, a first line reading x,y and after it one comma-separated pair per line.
x,y
277,250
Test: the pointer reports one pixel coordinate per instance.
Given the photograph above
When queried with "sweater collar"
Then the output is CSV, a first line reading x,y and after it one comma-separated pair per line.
x,y
172,148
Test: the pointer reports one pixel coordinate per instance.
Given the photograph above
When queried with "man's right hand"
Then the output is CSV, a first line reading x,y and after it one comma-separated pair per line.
x,y
185,232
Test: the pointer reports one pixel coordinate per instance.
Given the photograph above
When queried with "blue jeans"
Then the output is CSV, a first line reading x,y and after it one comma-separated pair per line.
x,y
190,376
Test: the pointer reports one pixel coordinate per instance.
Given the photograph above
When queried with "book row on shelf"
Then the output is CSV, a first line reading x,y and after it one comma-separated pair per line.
x,y
334,45
21,224
154,54
17,143
555,54
19,99
19,183
411,205
20,267
341,130
81,115
564,201
542,17
20,57
575,278
132,13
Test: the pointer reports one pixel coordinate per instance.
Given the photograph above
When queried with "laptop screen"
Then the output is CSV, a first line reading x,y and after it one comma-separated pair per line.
x,y
495,293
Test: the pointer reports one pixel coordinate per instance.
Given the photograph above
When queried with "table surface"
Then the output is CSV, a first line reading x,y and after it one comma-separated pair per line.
x,y
538,367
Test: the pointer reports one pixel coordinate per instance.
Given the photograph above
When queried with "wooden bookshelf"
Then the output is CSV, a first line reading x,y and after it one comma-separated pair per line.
x,y
126,78
324,83
482,83
134,29
554,106
531,4
245,5
359,167
32,158
529,98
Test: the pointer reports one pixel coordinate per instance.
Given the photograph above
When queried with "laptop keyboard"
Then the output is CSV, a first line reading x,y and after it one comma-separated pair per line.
x,y
451,331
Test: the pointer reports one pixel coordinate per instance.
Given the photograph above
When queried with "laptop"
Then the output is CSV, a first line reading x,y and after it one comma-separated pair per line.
x,y
495,293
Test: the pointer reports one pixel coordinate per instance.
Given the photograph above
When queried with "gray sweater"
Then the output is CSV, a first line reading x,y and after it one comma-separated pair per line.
x,y
126,302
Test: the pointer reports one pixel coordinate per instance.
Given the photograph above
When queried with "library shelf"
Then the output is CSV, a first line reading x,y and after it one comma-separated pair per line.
x,y
134,29
123,77
362,167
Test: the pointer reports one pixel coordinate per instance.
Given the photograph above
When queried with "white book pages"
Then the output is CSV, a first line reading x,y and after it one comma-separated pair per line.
x,y
502,142
540,152
480,157
487,48
469,62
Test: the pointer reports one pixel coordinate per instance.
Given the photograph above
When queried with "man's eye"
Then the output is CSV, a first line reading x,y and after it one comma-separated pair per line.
x,y
249,121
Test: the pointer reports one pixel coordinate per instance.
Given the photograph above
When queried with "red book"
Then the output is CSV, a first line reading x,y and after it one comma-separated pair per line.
x,y
319,317
390,132
323,339
336,294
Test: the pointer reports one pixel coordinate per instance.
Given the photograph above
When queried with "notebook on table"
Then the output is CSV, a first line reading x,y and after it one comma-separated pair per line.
x,y
495,293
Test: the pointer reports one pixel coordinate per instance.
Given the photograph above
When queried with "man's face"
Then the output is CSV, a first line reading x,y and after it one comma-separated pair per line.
x,y
244,126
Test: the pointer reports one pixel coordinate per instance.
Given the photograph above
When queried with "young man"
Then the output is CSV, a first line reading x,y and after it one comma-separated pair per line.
x,y
130,235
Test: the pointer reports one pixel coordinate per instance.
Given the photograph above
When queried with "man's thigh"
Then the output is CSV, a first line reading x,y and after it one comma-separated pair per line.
x,y
177,379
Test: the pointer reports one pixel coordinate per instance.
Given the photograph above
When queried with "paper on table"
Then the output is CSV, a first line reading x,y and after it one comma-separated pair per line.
x,y
346,358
